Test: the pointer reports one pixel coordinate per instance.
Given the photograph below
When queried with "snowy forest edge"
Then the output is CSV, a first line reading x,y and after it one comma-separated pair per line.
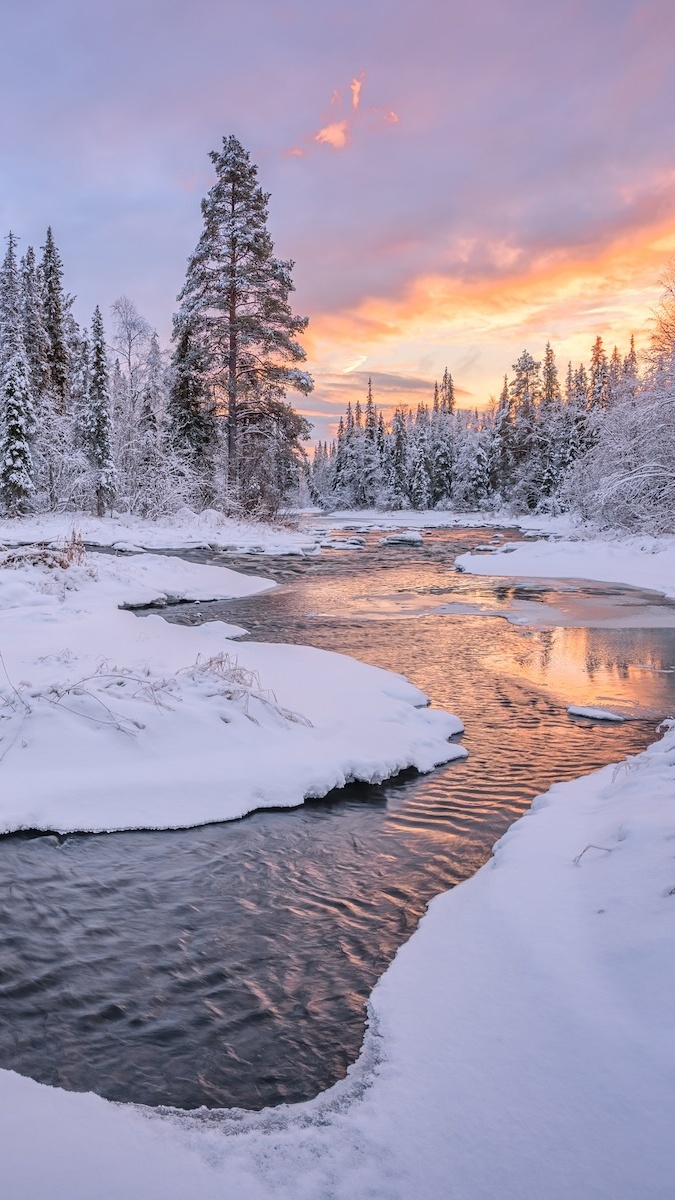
x,y
93,423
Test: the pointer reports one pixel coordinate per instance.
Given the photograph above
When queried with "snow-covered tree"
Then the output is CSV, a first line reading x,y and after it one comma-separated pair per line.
x,y
56,308
600,382
418,473
663,319
130,342
441,454
446,393
234,306
627,476
396,464
96,423
17,414
550,384
34,328
372,459
190,412
16,462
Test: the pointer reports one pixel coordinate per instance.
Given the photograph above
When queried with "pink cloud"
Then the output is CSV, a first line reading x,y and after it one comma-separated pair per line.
x,y
338,133
334,135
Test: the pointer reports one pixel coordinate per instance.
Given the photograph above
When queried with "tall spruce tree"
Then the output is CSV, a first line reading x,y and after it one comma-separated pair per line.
x,y
52,443
550,385
55,306
16,402
16,462
601,384
447,393
189,409
235,300
152,395
96,423
11,323
34,331
372,461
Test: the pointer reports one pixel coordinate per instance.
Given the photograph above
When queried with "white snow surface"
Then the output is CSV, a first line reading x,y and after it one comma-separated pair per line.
x,y
438,518
644,562
181,531
103,582
596,714
521,1045
109,721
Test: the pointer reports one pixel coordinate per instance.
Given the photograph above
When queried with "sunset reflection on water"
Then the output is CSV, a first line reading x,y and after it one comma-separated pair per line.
x,y
231,964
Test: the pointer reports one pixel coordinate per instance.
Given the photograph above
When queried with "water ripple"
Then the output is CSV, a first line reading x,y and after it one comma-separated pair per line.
x,y
230,965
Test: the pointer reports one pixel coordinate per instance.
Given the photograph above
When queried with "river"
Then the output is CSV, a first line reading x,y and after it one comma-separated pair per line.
x,y
230,965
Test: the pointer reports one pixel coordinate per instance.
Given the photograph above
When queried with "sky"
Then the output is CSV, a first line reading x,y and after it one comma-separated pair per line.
x,y
455,180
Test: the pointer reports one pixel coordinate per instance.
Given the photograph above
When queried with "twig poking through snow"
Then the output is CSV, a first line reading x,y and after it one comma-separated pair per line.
x,y
591,846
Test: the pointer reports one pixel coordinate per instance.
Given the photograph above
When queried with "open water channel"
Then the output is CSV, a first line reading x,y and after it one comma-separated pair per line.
x,y
230,965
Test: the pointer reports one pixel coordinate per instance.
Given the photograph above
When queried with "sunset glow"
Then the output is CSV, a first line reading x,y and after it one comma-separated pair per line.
x,y
453,183
479,325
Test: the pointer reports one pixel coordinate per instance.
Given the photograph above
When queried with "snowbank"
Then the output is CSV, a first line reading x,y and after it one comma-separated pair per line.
x,y
521,1044
187,530
111,722
644,562
101,582
184,530
371,519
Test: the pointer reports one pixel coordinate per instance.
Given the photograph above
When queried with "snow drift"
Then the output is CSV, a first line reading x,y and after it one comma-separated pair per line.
x,y
109,722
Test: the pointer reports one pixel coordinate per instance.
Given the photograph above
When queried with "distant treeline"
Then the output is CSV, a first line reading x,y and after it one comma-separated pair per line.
x,y
600,442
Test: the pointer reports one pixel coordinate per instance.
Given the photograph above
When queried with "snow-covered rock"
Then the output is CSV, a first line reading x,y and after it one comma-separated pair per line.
x,y
407,537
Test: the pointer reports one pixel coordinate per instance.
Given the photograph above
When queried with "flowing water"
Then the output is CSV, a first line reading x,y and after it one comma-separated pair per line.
x,y
231,964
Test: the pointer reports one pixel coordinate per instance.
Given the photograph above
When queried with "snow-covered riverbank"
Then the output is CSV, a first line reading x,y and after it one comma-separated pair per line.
x,y
521,1044
184,530
643,562
111,722
366,519
574,551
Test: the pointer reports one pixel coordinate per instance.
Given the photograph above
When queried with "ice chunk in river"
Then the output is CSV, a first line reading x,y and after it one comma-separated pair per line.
x,y
595,714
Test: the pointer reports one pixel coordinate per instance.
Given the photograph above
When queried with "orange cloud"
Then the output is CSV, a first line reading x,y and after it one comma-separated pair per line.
x,y
333,135
355,88
477,327
337,133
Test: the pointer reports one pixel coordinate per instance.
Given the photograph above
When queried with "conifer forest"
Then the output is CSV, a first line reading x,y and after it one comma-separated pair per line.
x,y
103,416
